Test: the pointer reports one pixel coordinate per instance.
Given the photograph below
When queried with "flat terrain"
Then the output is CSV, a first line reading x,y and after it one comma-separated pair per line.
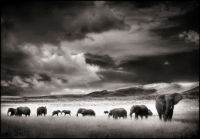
x,y
185,121
97,127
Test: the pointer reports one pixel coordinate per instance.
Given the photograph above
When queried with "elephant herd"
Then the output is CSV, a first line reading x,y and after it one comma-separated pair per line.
x,y
164,106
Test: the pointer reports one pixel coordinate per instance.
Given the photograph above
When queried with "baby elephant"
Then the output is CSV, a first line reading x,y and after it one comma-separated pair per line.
x,y
56,112
106,112
66,112
140,110
12,111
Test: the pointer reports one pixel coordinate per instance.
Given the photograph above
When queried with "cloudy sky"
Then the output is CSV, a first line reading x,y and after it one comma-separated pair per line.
x,y
78,47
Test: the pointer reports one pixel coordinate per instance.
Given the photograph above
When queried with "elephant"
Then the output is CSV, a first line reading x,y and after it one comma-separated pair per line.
x,y
165,105
12,111
41,110
56,112
140,110
23,110
80,110
105,112
66,112
88,112
118,113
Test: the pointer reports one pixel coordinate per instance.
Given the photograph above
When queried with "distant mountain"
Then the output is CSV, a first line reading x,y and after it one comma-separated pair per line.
x,y
192,93
132,91
168,88
149,91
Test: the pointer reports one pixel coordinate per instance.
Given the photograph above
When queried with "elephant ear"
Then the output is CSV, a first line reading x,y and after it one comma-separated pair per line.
x,y
177,97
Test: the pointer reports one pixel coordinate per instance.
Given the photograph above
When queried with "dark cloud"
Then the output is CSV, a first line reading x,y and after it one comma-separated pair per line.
x,y
14,59
57,45
8,74
117,76
51,22
104,61
64,81
44,77
181,67
181,22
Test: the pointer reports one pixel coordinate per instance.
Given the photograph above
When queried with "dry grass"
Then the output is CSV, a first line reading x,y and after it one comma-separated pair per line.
x,y
97,127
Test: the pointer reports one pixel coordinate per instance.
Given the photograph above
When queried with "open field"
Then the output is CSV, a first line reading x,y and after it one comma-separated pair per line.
x,y
185,122
97,127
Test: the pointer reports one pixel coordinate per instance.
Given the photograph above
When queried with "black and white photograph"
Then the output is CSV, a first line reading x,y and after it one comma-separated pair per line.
x,y
100,69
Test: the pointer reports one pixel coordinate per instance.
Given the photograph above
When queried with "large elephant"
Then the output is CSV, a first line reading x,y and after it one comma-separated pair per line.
x,y
140,110
23,110
88,112
56,112
80,110
41,110
12,111
66,112
118,113
165,105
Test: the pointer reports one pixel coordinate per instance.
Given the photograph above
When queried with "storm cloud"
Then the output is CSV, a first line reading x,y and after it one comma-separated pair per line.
x,y
67,47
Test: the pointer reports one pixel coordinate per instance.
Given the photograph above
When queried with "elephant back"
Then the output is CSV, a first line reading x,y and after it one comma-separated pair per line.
x,y
142,109
81,110
66,111
118,111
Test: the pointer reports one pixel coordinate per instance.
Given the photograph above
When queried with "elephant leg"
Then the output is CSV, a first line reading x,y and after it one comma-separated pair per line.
x,y
165,117
169,107
170,115
141,117
146,116
160,116
136,116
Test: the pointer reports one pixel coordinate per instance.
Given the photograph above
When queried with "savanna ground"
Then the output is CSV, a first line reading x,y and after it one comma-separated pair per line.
x,y
185,121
